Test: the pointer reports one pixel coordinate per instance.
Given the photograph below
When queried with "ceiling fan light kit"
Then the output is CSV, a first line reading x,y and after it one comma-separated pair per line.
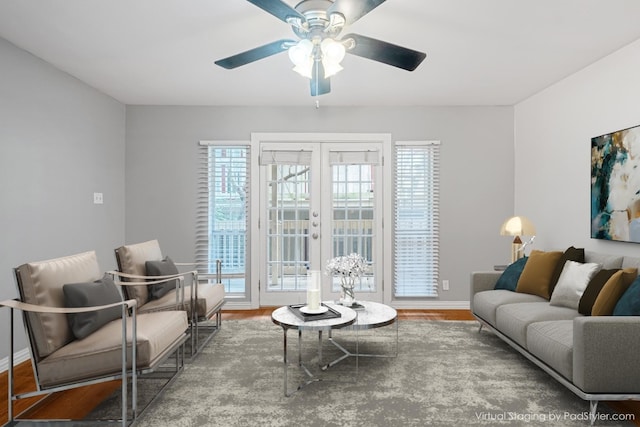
x,y
319,52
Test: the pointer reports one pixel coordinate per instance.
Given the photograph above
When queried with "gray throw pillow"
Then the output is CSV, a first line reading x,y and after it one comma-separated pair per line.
x,y
165,267
100,292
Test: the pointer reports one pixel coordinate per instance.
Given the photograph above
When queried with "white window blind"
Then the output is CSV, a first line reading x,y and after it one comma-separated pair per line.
x,y
416,218
371,157
284,157
222,212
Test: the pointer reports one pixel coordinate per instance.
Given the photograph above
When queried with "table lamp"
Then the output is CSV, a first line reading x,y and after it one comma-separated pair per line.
x,y
518,226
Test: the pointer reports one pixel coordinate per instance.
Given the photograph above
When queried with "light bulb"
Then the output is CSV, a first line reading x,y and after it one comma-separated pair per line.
x,y
332,50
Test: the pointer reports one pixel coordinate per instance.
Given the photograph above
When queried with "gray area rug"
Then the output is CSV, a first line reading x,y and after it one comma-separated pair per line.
x,y
446,373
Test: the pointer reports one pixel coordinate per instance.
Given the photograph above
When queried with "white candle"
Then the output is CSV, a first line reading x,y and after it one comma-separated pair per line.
x,y
313,290
313,299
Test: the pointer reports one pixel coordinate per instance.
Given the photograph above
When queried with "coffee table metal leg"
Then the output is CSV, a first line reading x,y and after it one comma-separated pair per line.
x,y
320,348
285,361
300,364
347,353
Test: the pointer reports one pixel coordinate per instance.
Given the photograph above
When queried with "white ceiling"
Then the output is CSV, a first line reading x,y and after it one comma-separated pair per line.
x,y
161,52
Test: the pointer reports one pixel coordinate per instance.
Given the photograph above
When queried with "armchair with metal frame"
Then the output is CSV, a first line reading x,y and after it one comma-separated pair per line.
x,y
202,301
127,348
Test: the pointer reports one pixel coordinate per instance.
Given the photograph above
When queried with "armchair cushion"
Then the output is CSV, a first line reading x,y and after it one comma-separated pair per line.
x,y
132,259
165,267
40,283
100,292
100,353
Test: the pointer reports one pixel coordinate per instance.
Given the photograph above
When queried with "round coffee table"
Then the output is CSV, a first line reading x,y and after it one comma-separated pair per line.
x,y
372,315
287,319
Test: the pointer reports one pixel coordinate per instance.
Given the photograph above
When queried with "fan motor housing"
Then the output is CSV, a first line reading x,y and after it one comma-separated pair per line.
x,y
317,20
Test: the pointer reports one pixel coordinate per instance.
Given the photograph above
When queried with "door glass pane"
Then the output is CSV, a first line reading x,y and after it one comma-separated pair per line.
x,y
288,226
353,228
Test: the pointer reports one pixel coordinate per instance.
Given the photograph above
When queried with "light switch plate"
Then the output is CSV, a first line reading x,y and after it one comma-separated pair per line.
x,y
97,199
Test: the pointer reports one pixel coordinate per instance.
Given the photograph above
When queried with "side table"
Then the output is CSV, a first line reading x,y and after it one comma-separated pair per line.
x,y
285,318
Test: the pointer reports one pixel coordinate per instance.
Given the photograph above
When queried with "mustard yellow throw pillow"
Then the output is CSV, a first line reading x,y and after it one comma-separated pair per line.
x,y
612,291
537,273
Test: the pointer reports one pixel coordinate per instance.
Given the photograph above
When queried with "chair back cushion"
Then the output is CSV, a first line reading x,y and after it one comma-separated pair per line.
x,y
40,283
132,259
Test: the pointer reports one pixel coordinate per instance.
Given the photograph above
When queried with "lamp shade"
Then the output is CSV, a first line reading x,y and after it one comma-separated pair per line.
x,y
517,226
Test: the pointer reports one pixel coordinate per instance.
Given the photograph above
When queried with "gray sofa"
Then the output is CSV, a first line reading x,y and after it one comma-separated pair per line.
x,y
596,357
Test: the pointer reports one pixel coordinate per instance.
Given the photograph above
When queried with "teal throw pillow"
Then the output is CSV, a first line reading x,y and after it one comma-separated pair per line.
x,y
629,302
508,280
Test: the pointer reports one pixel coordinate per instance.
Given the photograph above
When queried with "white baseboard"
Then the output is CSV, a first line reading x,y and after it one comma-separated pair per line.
x,y
431,305
420,305
18,358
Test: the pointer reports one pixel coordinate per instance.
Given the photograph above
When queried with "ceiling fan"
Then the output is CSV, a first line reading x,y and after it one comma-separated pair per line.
x,y
318,52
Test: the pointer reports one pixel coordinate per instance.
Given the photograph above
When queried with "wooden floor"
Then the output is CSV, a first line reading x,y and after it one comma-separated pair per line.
x,y
77,403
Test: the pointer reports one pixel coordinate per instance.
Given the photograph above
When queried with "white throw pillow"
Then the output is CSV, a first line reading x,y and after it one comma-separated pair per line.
x,y
572,282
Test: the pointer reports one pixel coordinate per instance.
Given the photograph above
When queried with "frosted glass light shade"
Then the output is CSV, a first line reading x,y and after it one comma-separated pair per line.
x,y
301,52
518,226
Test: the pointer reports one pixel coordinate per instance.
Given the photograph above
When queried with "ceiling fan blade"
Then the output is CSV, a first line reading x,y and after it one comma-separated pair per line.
x,y
278,8
254,54
387,53
319,84
352,10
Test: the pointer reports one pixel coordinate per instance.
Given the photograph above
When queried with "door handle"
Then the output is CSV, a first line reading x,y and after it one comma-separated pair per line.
x,y
314,236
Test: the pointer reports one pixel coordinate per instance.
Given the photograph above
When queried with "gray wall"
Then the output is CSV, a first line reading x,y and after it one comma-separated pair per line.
x,y
477,191
60,141
553,148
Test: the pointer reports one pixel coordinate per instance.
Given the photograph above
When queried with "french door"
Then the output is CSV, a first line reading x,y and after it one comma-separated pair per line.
x,y
318,200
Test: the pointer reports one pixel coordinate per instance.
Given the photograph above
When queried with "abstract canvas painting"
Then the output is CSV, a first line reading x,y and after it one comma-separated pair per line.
x,y
615,186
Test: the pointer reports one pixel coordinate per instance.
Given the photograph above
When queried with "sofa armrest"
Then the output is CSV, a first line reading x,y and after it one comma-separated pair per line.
x,y
482,281
605,354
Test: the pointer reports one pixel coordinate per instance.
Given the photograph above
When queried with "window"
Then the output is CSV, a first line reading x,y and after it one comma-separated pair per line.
x,y
415,241
222,214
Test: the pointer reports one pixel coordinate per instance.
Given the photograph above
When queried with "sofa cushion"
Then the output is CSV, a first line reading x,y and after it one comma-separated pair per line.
x,y
631,262
485,303
572,283
536,275
513,319
101,352
165,267
100,292
612,291
552,342
605,260
570,254
629,302
593,289
508,280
